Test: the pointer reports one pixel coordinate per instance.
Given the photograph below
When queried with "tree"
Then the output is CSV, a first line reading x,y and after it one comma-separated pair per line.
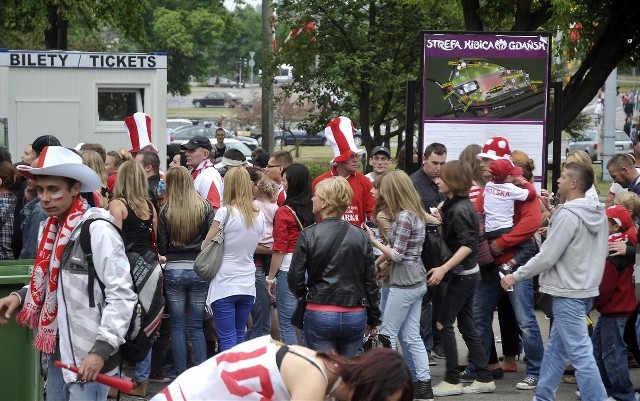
x,y
356,58
610,36
190,36
37,23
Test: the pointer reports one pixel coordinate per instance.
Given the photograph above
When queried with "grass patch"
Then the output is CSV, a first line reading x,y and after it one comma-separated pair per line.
x,y
207,113
601,186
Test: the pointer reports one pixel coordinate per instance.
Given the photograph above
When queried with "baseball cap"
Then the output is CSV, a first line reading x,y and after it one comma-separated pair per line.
x,y
197,141
381,149
620,215
500,169
43,141
232,158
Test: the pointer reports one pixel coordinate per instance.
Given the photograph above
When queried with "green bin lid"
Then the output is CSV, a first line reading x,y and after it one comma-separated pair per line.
x,y
15,271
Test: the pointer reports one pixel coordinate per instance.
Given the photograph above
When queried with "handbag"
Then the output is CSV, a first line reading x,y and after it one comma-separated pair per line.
x,y
376,341
209,260
435,251
297,318
483,255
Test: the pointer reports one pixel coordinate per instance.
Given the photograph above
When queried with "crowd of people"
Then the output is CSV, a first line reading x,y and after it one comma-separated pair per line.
x,y
322,264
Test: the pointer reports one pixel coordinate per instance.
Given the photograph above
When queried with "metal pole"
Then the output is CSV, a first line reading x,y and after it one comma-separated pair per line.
x,y
557,137
267,75
609,136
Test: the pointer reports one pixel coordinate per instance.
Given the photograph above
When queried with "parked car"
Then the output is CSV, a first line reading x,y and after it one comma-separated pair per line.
x,y
173,123
183,134
231,143
588,141
291,137
218,99
223,82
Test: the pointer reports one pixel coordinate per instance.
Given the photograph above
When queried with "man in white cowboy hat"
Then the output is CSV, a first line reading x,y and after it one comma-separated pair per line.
x,y
339,133
56,302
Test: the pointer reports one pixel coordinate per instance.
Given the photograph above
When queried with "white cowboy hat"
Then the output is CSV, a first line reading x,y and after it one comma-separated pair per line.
x,y
62,162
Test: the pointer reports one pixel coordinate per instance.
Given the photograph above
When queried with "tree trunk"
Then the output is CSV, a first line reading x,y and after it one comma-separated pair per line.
x,y
471,13
55,36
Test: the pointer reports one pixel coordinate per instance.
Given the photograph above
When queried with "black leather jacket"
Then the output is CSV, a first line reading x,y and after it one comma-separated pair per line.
x,y
460,228
347,279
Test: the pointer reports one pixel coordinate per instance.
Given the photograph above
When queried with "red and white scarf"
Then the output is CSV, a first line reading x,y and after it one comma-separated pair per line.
x,y
41,305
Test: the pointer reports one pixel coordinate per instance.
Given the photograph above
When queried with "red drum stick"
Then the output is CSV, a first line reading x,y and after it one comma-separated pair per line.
x,y
124,385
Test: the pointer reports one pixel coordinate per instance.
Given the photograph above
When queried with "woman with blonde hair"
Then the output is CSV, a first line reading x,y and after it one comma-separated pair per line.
x,y
184,221
113,161
93,159
233,290
136,217
407,275
580,156
332,269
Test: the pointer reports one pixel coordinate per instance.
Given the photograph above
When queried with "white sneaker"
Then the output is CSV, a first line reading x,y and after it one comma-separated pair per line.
x,y
444,388
479,387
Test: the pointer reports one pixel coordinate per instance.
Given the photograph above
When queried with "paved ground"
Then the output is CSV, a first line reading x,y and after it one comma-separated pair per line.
x,y
505,388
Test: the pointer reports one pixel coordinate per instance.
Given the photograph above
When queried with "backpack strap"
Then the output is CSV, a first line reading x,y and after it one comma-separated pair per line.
x,y
85,245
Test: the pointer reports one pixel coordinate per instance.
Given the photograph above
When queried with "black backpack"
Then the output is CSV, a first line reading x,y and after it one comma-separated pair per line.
x,y
146,274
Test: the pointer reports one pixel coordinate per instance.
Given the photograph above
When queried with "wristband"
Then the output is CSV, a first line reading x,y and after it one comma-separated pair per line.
x,y
272,280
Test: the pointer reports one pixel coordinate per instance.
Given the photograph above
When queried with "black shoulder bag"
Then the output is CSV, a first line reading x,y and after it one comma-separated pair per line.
x,y
298,315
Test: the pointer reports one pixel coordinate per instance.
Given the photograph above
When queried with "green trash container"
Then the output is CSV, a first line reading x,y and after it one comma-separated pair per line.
x,y
20,371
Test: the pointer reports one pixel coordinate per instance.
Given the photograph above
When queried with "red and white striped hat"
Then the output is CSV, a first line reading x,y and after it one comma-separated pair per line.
x,y
139,130
339,133
495,148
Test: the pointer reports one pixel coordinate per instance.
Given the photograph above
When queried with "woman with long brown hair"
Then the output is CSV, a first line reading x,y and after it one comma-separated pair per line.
x,y
264,369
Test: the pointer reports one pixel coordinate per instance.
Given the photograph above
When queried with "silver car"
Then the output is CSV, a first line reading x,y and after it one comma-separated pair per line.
x,y
588,141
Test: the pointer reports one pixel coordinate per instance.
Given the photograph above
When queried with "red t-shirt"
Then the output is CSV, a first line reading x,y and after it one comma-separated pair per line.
x,y
363,202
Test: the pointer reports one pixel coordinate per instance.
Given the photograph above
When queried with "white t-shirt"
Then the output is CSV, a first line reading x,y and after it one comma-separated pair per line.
x,y
499,204
237,273
248,371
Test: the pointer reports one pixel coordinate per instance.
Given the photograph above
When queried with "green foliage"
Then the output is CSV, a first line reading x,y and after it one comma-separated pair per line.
x,y
358,58
190,38
24,22
579,124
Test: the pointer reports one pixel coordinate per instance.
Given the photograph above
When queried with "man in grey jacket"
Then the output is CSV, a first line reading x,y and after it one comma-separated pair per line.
x,y
570,263
56,303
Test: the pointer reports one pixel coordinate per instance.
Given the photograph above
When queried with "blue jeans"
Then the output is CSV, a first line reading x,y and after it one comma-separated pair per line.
x,y
487,296
143,369
610,351
230,315
569,342
286,303
402,314
186,295
58,390
384,295
261,310
338,331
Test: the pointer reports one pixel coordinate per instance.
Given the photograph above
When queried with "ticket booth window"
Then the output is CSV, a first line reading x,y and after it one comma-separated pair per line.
x,y
115,104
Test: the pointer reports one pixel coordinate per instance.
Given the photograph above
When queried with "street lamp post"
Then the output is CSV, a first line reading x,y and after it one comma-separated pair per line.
x,y
240,64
